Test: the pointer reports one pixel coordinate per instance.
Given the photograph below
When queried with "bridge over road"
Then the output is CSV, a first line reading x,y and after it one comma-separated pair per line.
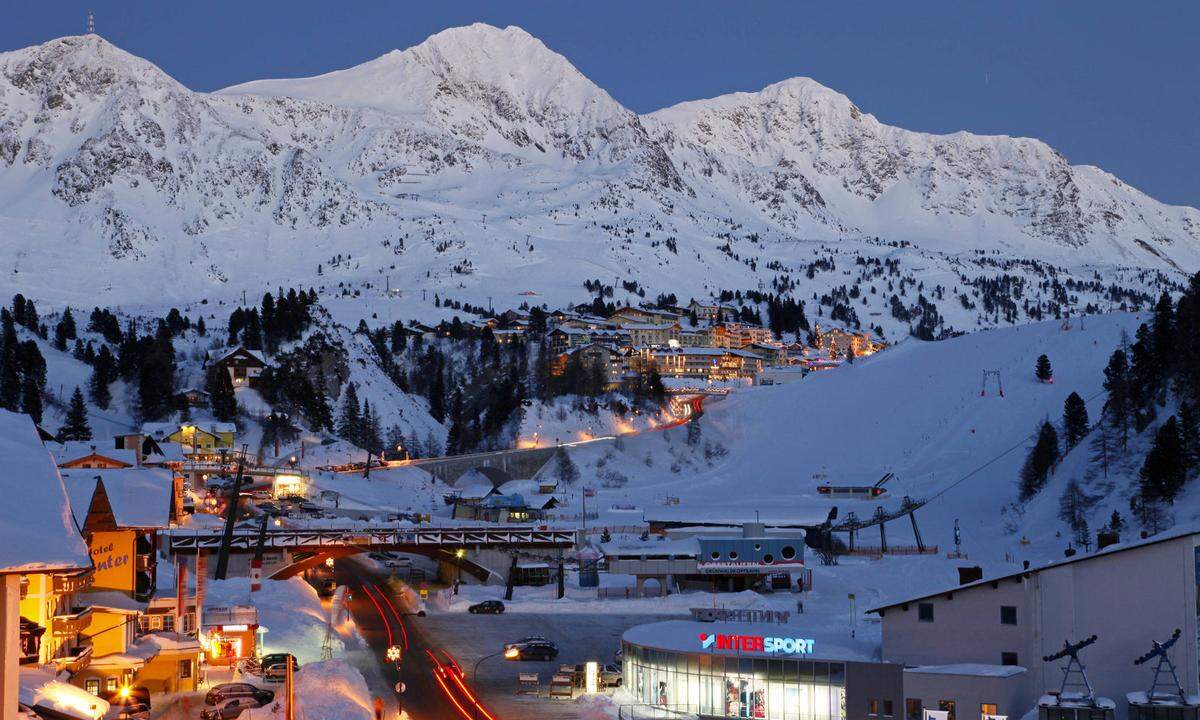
x,y
407,539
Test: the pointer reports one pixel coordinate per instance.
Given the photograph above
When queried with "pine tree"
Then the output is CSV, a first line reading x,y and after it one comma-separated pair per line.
x,y
76,425
31,398
349,425
1163,472
221,397
437,396
103,373
1075,420
370,429
1073,507
1041,459
201,328
10,371
565,468
64,330
1042,370
1116,382
1116,523
1189,435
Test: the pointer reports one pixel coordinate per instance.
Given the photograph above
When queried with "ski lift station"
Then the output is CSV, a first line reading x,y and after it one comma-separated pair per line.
x,y
1066,640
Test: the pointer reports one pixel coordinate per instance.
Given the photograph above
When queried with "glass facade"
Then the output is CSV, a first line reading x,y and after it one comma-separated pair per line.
x,y
736,687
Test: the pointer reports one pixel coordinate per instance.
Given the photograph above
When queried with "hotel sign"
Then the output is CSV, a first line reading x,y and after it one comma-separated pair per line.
x,y
750,567
756,643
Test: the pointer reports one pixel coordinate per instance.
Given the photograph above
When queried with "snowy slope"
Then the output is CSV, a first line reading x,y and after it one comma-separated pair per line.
x,y
481,164
914,410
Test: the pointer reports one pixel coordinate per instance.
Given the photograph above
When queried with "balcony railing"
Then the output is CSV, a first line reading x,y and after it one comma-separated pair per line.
x,y
70,624
73,582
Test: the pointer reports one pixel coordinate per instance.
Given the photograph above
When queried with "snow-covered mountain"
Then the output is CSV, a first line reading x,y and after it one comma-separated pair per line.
x,y
482,164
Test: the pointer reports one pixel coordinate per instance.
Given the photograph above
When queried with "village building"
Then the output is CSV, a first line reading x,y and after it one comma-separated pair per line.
x,y
739,335
243,365
203,437
86,454
653,334
40,618
838,342
714,313
704,363
121,513
561,339
606,361
643,316
979,648
508,336
231,633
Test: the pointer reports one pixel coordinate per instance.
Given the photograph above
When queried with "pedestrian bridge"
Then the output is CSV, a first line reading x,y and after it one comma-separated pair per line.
x,y
359,539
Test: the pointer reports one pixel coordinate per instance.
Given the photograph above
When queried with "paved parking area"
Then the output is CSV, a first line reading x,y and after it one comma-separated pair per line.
x,y
579,636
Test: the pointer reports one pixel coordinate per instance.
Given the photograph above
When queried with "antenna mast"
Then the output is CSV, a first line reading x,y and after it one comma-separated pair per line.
x,y
1160,652
91,22
1074,666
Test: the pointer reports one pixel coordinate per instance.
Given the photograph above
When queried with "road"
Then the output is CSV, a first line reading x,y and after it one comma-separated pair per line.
x,y
435,686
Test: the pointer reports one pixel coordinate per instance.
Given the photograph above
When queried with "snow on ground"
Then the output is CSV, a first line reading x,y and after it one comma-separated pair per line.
x,y
563,420
332,689
403,489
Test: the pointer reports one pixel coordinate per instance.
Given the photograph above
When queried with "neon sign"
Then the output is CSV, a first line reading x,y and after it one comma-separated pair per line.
x,y
756,643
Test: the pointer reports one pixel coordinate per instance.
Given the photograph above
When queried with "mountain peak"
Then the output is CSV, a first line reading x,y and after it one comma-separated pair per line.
x,y
72,64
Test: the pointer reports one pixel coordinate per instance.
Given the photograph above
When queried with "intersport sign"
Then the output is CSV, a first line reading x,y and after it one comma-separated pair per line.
x,y
756,643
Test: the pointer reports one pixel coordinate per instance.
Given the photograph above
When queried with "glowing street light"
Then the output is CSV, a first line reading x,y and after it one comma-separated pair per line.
x,y
394,653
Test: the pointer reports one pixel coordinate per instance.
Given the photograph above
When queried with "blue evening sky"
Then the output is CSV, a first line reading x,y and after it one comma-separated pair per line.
x,y
1115,84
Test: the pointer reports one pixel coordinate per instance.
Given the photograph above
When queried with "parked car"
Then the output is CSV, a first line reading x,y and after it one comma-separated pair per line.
x,y
537,650
133,704
275,666
230,709
611,676
238,690
487,606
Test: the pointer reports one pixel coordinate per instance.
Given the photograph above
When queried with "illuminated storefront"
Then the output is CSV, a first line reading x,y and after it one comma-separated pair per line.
x,y
742,670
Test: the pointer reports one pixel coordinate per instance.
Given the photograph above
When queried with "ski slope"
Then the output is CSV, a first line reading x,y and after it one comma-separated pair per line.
x,y
914,410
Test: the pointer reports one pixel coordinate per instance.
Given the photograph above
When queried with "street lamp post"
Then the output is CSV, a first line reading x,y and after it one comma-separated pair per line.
x,y
458,556
475,677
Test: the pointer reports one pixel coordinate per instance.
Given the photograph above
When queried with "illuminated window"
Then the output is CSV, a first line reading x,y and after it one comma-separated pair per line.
x,y
873,707
185,669
947,706
92,685
913,709
987,709
110,684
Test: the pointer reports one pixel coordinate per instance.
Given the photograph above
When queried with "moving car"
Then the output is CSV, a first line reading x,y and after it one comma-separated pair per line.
x,y
526,639
536,650
238,690
487,606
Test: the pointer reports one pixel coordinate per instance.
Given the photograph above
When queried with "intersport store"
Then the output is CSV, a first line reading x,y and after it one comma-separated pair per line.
x,y
751,670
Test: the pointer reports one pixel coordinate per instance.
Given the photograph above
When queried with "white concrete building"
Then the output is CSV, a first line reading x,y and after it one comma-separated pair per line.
x,y
977,648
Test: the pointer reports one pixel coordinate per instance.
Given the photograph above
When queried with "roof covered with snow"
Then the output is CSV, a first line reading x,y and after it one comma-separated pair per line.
x,y
971,669
140,497
78,449
1181,531
42,536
